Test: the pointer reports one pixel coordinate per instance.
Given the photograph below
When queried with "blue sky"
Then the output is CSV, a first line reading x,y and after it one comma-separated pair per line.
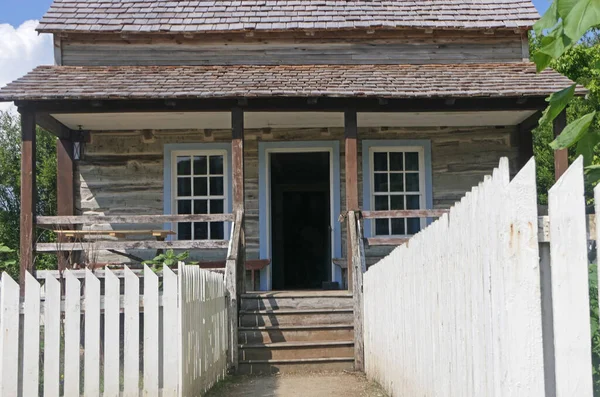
x,y
15,12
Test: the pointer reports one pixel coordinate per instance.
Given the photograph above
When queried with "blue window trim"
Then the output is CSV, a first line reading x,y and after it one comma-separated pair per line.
x,y
167,172
366,166
263,147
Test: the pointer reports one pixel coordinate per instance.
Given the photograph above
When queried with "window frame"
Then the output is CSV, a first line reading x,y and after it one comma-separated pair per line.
x,y
423,147
172,151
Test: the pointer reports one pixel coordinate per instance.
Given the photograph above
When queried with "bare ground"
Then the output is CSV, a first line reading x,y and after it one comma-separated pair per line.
x,y
305,385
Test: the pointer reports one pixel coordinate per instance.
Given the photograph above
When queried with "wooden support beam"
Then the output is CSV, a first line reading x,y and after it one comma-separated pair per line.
x,y
561,157
28,193
237,164
50,124
351,158
65,193
525,137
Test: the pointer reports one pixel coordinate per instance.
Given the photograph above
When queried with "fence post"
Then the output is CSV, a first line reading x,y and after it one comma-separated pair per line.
x,y
357,264
571,313
31,336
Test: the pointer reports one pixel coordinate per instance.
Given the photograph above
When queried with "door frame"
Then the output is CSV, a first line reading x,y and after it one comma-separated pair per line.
x,y
264,198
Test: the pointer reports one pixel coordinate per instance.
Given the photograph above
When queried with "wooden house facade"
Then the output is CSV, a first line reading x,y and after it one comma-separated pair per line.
x,y
172,115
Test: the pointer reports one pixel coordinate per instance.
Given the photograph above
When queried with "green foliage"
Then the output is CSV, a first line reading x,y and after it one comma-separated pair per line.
x,y
169,258
8,259
594,318
561,38
10,187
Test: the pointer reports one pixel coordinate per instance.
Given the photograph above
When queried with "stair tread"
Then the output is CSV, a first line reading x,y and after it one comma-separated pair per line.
x,y
294,344
296,311
296,327
297,360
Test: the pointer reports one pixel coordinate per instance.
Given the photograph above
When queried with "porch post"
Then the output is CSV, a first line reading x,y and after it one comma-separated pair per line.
x,y
28,193
561,157
351,157
237,165
64,186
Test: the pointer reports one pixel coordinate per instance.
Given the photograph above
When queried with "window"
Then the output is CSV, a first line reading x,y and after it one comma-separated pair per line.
x,y
199,186
397,183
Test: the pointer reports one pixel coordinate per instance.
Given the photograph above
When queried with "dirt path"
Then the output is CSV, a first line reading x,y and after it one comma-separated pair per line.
x,y
305,385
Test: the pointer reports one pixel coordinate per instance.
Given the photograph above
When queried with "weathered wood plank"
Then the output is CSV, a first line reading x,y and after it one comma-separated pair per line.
x,y
404,214
28,194
149,219
124,245
375,241
460,51
359,267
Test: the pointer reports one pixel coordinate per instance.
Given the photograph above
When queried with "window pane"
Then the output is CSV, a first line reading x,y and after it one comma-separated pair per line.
x,y
216,231
183,165
398,226
412,182
200,231
199,165
397,202
184,207
382,227
412,161
396,161
413,225
200,186
396,182
216,185
413,202
200,206
216,206
381,203
381,182
184,187
216,165
380,161
184,231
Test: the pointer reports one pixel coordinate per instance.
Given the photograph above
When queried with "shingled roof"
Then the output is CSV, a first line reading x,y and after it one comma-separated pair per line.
x,y
174,16
387,81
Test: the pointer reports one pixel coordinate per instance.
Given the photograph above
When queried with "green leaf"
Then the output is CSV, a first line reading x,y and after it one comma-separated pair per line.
x,y
573,132
542,61
558,101
564,7
584,15
555,44
5,250
586,145
593,173
548,21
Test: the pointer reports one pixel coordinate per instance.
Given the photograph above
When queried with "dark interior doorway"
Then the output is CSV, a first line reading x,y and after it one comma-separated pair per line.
x,y
300,208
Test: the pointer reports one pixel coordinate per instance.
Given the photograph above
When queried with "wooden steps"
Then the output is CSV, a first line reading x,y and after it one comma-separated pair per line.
x,y
296,332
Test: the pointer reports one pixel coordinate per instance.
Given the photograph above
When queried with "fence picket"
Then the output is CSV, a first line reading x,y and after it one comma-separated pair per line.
x,y
31,336
570,295
9,336
91,381
52,337
463,290
72,335
150,332
112,289
170,333
131,363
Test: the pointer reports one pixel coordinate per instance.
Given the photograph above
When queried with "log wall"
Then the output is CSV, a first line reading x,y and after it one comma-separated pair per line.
x,y
403,47
122,172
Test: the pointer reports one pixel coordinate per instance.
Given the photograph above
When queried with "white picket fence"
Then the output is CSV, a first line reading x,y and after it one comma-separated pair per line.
x,y
458,310
95,341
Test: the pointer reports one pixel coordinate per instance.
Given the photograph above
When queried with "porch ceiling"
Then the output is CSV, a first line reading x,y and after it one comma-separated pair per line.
x,y
222,120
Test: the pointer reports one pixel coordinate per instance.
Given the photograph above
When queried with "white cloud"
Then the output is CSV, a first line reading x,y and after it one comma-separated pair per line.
x,y
21,50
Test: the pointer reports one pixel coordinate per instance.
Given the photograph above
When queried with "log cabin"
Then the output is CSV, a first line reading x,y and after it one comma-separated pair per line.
x,y
265,122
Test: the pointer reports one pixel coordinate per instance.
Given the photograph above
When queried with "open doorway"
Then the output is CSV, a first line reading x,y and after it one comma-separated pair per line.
x,y
300,208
